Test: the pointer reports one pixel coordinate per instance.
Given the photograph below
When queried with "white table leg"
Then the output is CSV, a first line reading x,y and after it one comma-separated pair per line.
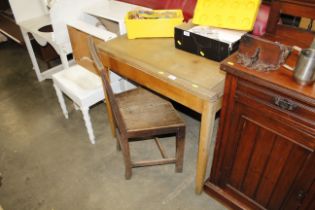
x,y
32,55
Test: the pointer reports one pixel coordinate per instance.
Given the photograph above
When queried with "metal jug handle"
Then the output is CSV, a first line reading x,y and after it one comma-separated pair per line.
x,y
290,67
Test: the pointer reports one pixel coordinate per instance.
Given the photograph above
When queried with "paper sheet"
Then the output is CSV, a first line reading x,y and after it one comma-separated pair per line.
x,y
223,35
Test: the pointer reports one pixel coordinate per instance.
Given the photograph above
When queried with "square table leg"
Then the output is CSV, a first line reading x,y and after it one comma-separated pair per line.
x,y
32,54
206,133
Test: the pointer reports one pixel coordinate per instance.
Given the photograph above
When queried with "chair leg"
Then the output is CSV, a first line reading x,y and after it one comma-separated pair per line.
x,y
180,148
126,153
117,135
118,147
61,101
88,124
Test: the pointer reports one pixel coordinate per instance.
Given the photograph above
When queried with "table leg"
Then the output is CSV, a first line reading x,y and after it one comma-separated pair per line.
x,y
32,55
206,132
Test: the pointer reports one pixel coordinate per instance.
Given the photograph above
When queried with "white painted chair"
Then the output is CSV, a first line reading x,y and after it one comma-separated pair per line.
x,y
82,86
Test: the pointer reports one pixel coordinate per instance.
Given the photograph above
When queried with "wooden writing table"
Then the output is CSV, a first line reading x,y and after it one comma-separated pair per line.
x,y
190,80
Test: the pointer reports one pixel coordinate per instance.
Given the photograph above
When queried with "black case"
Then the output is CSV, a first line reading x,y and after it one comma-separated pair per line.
x,y
200,45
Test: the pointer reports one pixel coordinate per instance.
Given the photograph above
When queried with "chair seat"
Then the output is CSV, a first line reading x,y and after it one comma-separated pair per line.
x,y
152,111
82,86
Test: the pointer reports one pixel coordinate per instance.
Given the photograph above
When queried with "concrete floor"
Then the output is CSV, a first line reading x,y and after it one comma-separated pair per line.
x,y
48,163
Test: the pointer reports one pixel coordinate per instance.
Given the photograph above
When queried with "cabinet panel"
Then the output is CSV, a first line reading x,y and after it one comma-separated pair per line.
x,y
286,180
264,155
309,202
303,188
259,159
264,162
243,154
278,157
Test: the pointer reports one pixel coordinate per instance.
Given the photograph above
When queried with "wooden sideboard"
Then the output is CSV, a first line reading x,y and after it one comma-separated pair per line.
x,y
264,155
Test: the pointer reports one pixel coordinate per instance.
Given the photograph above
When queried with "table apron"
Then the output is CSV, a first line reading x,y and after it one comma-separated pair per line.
x,y
158,85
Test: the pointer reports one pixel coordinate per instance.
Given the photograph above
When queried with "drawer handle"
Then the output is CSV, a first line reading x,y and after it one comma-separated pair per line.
x,y
284,103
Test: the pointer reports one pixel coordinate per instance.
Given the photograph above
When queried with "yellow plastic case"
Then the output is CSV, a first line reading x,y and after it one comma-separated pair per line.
x,y
146,28
231,14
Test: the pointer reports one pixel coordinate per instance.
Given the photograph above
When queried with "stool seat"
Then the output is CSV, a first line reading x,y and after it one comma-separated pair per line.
x,y
83,87
78,82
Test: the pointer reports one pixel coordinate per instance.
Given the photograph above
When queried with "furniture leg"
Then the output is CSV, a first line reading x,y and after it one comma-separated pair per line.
x,y
32,55
118,147
180,147
126,154
63,58
109,111
61,101
118,143
206,131
88,124
110,117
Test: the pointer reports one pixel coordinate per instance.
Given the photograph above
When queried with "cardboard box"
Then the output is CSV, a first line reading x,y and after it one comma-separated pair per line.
x,y
214,49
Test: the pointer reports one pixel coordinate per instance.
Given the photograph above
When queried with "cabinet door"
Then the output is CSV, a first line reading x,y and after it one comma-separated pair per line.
x,y
265,160
309,202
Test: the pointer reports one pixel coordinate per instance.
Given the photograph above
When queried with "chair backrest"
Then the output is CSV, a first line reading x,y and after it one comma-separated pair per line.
x,y
109,92
301,8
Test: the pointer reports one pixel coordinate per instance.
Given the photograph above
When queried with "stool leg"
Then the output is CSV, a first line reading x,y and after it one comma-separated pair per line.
x,y
88,124
61,101
180,148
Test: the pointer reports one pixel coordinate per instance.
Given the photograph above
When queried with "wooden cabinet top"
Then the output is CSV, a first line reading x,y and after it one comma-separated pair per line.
x,y
281,79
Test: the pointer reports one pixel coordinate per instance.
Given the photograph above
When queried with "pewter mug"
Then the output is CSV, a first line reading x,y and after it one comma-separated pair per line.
x,y
304,72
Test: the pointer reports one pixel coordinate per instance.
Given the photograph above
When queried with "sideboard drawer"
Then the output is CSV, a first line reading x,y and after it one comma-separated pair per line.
x,y
289,107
